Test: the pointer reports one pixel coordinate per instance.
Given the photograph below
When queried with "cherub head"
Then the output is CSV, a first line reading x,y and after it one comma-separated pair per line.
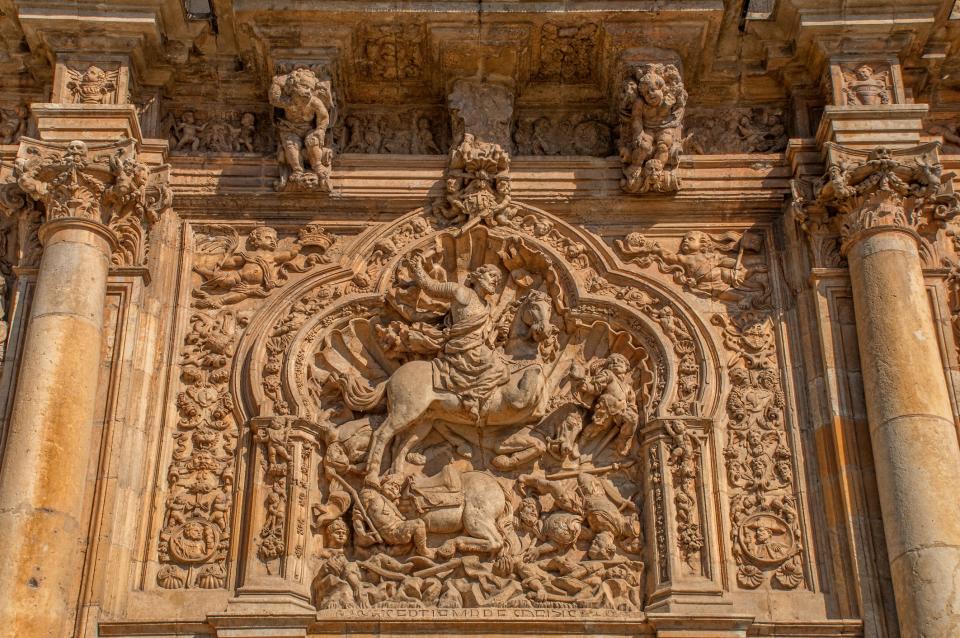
x,y
262,238
651,87
423,124
695,241
248,119
485,279
188,117
95,75
864,72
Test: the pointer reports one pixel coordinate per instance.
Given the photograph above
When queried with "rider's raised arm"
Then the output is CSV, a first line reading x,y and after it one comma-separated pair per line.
x,y
434,288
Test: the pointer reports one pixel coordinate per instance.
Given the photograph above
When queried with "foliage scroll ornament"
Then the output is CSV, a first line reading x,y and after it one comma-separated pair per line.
x,y
195,539
863,191
105,184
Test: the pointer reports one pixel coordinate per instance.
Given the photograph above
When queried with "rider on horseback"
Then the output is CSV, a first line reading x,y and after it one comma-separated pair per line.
x,y
467,365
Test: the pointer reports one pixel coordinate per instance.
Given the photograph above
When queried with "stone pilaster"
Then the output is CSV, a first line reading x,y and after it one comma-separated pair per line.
x,y
92,198
878,200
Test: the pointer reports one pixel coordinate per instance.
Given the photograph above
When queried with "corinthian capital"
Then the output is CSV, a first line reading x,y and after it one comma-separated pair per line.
x,y
868,191
105,184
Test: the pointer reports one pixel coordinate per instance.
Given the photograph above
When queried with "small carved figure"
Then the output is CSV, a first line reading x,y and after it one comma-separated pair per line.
x,y
864,86
306,102
338,582
379,501
188,132
608,389
652,107
247,134
93,86
424,138
273,435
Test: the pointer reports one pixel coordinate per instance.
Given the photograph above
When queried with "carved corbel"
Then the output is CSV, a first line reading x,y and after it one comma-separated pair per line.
x,y
303,148
104,184
651,106
865,192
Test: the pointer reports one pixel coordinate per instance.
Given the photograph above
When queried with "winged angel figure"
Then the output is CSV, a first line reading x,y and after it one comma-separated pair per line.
x,y
231,274
93,86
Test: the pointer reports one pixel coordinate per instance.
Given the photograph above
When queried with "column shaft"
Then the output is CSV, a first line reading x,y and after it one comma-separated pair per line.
x,y
913,435
49,440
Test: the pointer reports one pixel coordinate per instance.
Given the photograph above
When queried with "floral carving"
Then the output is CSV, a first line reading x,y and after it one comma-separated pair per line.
x,y
567,52
716,265
195,538
765,523
862,191
652,103
230,274
302,146
737,130
576,134
106,185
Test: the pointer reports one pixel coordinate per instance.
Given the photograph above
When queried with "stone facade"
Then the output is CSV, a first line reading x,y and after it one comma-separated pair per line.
x,y
441,318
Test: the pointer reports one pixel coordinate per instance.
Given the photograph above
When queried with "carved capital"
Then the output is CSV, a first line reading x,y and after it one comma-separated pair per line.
x,y
102,184
869,191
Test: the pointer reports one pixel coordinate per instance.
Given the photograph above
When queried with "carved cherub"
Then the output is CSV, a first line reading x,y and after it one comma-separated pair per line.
x,y
93,86
306,102
13,125
866,87
652,108
424,138
608,389
273,435
247,134
188,132
705,263
240,274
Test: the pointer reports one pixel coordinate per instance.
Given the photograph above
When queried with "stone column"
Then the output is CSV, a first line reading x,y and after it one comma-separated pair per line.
x,y
84,194
879,199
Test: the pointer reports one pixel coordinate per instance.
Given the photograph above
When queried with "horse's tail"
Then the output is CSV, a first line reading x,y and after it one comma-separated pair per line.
x,y
358,396
511,542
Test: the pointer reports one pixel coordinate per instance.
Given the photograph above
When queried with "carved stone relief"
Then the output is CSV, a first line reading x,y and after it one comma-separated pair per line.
x,y
190,131
866,85
93,85
651,106
13,123
392,52
567,52
737,130
194,541
303,149
482,109
564,134
400,131
105,184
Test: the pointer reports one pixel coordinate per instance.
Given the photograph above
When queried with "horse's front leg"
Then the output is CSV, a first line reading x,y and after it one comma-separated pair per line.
x,y
417,434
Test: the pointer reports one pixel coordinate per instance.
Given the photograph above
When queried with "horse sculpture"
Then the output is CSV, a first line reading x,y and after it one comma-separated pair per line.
x,y
414,403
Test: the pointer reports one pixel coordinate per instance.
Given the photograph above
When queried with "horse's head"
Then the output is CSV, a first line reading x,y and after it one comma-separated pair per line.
x,y
535,312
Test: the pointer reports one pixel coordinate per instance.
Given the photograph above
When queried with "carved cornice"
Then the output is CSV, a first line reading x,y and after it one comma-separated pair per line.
x,y
864,192
103,184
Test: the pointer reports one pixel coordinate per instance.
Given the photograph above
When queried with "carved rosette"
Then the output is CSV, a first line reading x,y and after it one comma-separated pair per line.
x,y
105,184
870,191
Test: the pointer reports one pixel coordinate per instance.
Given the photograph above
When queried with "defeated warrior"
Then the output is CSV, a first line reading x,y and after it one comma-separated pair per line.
x,y
380,505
